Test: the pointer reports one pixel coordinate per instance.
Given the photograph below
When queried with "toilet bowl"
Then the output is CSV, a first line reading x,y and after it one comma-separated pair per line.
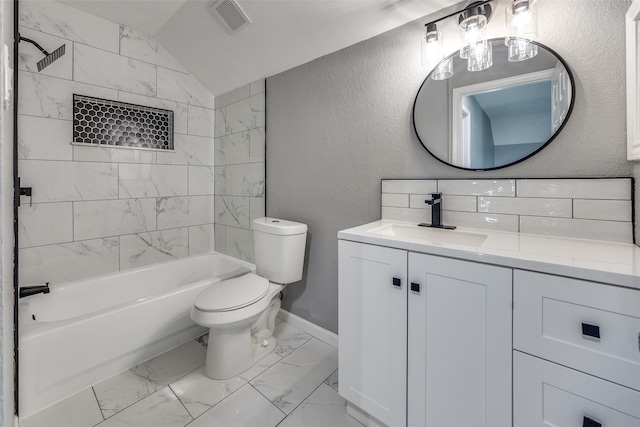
x,y
240,312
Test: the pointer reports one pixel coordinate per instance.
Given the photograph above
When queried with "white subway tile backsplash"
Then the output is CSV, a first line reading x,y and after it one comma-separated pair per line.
x,y
578,228
30,55
220,180
113,218
69,23
142,249
395,200
409,215
245,180
46,96
68,261
201,180
111,70
232,211
235,95
146,180
181,87
220,128
201,121
45,224
409,186
606,210
232,149
463,187
44,139
135,44
69,181
246,114
201,239
495,222
189,150
174,212
180,111
460,203
220,232
608,188
526,206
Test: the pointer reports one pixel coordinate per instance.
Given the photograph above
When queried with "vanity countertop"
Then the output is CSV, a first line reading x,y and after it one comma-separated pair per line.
x,y
595,260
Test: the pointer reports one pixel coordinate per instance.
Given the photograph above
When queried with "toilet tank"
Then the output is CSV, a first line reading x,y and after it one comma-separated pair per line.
x,y
279,247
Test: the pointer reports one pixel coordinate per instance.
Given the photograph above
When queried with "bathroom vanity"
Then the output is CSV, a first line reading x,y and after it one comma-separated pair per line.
x,y
487,328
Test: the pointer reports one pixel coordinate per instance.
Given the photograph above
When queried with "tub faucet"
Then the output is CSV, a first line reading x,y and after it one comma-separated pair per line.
x,y
436,213
25,291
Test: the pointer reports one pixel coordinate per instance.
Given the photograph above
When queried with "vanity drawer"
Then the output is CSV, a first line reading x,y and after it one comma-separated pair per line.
x,y
546,394
592,327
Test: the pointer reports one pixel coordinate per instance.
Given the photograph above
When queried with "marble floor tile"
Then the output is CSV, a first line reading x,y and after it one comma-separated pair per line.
x,y
295,377
332,381
289,338
79,410
198,393
244,408
324,408
261,366
120,391
162,408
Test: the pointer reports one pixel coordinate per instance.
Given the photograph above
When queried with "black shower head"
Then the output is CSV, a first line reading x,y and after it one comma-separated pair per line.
x,y
49,57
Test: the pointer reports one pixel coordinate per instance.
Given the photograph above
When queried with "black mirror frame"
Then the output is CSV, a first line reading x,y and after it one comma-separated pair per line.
x,y
573,99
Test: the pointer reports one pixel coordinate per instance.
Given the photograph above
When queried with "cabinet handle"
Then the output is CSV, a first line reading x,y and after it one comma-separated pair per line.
x,y
415,287
591,330
397,282
588,422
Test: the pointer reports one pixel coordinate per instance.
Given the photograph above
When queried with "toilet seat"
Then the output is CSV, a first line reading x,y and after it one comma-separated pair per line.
x,y
232,294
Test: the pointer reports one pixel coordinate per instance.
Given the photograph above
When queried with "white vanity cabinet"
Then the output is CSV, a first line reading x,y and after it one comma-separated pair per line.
x,y
585,337
424,340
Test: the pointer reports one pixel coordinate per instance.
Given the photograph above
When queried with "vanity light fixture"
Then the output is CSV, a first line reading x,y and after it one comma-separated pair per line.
x,y
522,29
521,17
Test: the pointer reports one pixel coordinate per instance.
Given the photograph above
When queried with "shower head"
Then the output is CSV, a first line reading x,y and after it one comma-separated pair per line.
x,y
49,57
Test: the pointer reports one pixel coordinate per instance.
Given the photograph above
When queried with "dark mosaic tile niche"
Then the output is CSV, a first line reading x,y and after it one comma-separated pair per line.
x,y
111,123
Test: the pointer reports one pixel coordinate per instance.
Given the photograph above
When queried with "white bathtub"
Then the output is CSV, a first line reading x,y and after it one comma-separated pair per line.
x,y
85,331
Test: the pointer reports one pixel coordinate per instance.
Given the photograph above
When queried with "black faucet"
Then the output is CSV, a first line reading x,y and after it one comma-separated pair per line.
x,y
436,213
25,291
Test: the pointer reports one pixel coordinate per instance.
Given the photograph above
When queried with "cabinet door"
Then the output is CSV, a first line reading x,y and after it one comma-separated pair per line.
x,y
459,350
372,329
546,394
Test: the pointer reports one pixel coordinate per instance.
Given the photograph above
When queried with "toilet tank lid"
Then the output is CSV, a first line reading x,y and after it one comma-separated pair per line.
x,y
280,227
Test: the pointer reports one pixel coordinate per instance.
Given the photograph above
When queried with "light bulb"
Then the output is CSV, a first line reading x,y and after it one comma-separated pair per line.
x,y
521,18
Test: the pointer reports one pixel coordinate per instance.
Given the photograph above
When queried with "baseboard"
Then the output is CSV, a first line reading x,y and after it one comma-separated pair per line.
x,y
308,327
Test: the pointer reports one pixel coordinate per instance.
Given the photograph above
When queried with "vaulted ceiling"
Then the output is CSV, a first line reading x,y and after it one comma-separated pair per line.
x,y
283,33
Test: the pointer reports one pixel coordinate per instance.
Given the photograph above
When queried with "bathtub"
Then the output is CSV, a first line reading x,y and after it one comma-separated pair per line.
x,y
85,331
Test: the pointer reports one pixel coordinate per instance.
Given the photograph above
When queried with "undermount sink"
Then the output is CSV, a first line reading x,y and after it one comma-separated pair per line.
x,y
431,235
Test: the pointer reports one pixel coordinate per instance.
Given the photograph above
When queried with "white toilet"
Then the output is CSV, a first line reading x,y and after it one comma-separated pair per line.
x,y
240,313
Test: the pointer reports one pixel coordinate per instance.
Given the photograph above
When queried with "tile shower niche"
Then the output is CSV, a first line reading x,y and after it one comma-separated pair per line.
x,y
101,122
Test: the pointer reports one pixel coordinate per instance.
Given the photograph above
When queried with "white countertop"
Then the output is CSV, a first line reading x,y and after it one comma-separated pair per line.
x,y
595,260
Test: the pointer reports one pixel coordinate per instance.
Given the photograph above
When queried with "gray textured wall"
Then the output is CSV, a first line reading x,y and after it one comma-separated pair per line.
x,y
337,125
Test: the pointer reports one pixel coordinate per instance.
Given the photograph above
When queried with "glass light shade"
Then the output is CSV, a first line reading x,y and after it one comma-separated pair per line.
x,y
521,18
480,56
443,70
521,50
432,48
472,31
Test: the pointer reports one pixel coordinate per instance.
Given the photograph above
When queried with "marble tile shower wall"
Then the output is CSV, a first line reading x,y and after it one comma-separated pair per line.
x,y
239,168
99,210
599,209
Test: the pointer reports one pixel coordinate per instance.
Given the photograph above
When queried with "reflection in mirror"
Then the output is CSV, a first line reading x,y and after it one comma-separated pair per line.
x,y
496,117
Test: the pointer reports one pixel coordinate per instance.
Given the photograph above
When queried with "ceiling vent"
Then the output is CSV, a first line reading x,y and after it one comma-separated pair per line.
x,y
230,14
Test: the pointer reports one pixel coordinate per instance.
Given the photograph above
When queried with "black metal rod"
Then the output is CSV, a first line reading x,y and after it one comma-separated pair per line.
x,y
16,203
471,6
33,42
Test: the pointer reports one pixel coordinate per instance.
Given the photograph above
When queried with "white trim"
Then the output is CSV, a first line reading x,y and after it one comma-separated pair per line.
x,y
633,71
310,328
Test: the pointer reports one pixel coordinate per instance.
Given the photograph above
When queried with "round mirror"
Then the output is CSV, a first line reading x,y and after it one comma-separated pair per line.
x,y
497,117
